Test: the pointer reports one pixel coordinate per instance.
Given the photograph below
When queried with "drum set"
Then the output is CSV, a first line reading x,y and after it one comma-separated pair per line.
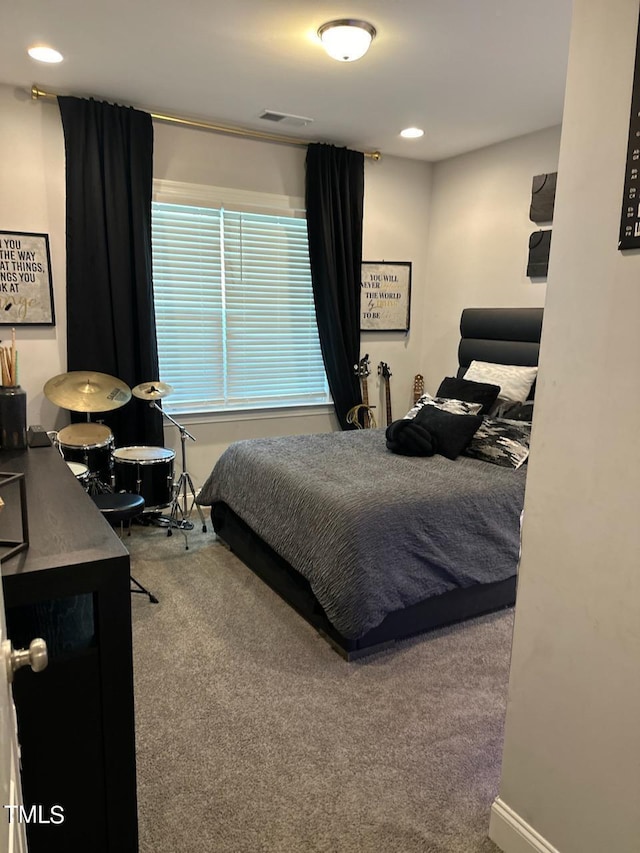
x,y
90,452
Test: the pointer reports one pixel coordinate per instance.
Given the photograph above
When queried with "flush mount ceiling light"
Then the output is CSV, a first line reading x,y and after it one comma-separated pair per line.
x,y
346,40
412,133
44,54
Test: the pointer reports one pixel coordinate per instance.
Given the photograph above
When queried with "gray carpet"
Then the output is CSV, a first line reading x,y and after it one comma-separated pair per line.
x,y
254,736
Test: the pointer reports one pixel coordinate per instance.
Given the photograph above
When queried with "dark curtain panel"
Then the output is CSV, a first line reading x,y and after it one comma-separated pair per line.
x,y
334,201
110,313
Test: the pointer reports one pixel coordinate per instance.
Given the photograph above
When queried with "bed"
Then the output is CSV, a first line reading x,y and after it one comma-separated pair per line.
x,y
305,514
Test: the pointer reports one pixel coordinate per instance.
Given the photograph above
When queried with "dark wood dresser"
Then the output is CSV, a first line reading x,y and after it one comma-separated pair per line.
x,y
76,718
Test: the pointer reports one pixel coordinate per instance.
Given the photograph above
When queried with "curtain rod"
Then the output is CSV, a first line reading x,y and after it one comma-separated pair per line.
x,y
37,94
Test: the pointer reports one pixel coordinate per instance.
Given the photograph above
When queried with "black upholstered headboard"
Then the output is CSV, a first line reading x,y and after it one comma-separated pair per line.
x,y
500,335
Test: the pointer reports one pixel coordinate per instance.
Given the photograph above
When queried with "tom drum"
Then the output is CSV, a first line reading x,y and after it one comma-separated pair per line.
x,y
90,444
146,471
80,472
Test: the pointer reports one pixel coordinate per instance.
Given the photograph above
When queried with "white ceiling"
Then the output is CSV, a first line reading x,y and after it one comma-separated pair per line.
x,y
469,72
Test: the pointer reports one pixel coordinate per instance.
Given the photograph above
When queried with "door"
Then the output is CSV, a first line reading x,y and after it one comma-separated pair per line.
x,y
12,831
12,826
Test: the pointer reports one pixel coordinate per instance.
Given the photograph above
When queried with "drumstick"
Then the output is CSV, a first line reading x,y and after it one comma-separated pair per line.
x,y
13,356
7,367
6,372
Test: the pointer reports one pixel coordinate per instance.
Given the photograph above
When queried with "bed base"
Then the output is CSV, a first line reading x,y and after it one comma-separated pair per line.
x,y
435,612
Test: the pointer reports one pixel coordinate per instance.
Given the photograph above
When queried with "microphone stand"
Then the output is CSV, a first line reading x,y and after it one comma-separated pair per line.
x,y
179,515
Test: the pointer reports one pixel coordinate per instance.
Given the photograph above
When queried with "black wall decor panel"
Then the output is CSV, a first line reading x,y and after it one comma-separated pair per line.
x,y
630,215
539,246
543,197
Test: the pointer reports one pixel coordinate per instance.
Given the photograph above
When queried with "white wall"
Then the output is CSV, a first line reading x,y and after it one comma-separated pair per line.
x,y
478,240
32,199
571,769
396,218
32,195
396,199
463,224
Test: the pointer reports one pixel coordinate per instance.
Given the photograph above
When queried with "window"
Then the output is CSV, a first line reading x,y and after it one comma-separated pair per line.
x,y
234,309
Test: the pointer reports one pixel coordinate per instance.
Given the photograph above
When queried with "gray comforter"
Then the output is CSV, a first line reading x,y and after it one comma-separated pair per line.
x,y
372,531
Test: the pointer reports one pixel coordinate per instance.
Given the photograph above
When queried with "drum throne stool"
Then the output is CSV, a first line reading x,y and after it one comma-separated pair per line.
x,y
118,508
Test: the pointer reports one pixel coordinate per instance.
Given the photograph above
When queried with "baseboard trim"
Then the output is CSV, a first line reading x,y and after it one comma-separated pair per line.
x,y
512,834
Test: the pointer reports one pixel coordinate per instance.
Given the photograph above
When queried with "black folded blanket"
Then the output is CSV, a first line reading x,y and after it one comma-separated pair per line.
x,y
410,438
432,431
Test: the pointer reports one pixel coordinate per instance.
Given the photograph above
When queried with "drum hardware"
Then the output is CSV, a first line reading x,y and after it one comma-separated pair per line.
x,y
146,471
87,391
80,472
152,391
89,444
181,509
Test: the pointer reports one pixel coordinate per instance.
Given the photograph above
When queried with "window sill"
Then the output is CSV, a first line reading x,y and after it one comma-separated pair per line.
x,y
250,414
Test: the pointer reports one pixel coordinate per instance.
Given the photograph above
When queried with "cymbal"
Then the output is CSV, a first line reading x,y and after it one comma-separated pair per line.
x,y
152,390
87,391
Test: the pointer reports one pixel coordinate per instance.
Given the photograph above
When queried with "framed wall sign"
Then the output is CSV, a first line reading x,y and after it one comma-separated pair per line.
x,y
26,289
385,296
629,237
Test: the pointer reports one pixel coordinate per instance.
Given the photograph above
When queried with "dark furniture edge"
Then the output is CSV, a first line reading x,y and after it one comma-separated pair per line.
x,y
434,612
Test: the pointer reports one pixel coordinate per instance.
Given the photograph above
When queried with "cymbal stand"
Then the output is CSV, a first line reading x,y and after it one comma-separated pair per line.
x,y
181,509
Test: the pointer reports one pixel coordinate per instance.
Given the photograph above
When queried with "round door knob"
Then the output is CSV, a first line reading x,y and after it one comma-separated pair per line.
x,y
36,656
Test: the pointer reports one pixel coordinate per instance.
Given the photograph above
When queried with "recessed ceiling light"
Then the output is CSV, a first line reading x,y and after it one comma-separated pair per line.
x,y
412,133
44,54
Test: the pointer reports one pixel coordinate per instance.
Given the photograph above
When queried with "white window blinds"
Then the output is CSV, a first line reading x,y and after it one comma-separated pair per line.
x,y
234,310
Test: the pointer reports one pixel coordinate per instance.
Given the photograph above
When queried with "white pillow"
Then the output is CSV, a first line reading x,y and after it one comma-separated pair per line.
x,y
515,381
446,404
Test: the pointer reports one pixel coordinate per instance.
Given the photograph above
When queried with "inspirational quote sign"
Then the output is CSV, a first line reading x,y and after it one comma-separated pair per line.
x,y
26,292
385,296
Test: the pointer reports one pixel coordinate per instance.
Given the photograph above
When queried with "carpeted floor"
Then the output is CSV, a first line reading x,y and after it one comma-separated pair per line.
x,y
254,736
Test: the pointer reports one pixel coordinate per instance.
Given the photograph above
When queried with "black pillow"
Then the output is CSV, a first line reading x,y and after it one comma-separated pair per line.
x,y
469,391
451,432
511,411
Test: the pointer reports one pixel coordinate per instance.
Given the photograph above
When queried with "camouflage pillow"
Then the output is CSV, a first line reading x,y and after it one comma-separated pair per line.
x,y
501,442
445,404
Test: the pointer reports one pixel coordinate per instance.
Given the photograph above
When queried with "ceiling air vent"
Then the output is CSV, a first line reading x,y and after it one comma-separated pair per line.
x,y
285,118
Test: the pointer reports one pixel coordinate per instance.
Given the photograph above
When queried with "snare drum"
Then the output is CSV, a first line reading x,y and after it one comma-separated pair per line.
x,y
146,471
80,472
91,444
